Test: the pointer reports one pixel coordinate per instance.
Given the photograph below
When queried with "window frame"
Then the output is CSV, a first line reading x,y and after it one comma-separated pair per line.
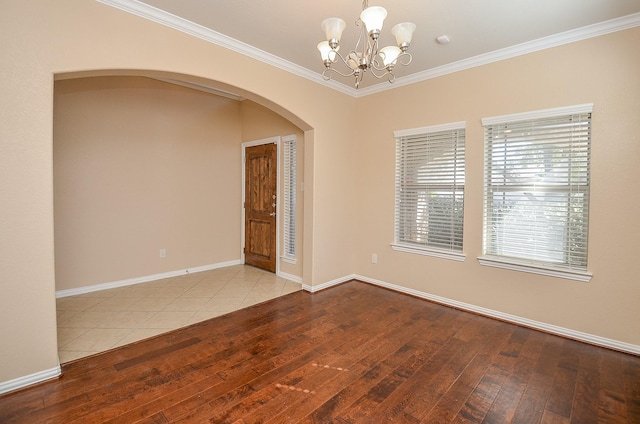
x,y
547,267
454,129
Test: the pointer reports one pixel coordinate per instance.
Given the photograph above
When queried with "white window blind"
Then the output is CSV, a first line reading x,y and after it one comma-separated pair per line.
x,y
289,200
536,205
430,178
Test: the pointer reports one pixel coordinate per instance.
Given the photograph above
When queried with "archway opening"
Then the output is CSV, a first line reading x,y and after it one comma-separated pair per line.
x,y
147,174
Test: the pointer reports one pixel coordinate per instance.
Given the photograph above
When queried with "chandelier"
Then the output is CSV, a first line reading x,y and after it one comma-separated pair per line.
x,y
366,56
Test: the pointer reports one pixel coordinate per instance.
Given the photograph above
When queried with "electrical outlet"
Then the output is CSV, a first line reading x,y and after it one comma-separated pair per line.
x,y
374,258
163,253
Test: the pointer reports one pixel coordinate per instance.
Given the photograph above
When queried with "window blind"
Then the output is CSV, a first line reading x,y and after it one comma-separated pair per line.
x,y
289,224
536,204
430,178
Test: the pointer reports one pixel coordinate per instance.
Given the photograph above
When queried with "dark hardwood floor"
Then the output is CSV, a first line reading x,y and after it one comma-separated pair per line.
x,y
354,353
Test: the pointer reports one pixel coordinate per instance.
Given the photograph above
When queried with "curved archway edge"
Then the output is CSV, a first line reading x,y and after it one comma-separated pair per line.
x,y
192,81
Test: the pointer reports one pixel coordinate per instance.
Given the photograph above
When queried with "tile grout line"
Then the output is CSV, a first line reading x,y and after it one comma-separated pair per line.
x,y
123,300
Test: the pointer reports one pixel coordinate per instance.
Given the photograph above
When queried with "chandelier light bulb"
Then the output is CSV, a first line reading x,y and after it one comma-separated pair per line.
x,y
333,28
327,52
389,55
324,49
373,17
403,33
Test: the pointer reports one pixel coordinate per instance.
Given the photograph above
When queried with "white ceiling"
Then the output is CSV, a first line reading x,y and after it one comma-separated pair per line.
x,y
289,30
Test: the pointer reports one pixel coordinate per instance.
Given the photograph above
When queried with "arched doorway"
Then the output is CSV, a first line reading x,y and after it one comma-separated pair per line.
x,y
145,175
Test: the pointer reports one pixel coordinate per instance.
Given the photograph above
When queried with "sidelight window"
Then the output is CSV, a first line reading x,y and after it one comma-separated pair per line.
x,y
289,198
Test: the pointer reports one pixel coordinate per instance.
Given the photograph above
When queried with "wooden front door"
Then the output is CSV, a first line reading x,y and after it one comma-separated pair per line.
x,y
260,206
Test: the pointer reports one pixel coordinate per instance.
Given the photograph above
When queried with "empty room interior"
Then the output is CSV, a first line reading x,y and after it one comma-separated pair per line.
x,y
203,220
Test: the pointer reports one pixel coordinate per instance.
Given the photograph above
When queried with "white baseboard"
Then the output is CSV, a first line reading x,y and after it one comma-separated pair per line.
x,y
290,277
27,380
145,279
549,328
313,289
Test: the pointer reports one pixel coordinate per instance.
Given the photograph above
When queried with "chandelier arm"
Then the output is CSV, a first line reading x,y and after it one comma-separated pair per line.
x,y
329,71
372,52
362,35
344,62
404,59
375,64
327,74
388,72
384,73
338,72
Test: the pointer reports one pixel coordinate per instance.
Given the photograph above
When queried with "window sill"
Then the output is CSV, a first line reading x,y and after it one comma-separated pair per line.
x,y
288,260
534,269
427,251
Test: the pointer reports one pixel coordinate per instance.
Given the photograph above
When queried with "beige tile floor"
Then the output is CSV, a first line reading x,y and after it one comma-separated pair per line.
x,y
94,322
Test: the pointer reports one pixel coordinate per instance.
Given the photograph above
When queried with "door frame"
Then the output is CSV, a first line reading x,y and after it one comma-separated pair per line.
x,y
270,140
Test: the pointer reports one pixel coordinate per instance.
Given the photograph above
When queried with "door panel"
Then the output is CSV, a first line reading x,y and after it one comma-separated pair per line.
x,y
260,206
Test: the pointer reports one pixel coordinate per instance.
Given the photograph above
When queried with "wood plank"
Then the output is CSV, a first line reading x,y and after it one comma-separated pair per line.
x,y
516,363
564,381
584,408
155,353
631,391
534,399
549,417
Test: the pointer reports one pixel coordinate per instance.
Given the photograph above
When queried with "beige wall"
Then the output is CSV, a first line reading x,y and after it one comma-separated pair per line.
x,y
258,122
348,174
141,165
603,71
53,40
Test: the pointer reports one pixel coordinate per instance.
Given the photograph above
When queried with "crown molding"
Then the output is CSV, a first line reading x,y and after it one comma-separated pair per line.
x,y
578,34
170,20
154,14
